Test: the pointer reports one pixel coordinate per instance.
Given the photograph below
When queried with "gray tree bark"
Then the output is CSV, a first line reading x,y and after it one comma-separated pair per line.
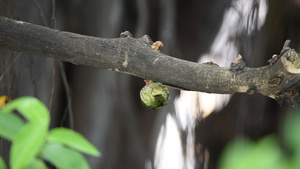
x,y
135,56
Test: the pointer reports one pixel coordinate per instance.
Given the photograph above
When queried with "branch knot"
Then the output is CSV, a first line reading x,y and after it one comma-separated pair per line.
x,y
238,64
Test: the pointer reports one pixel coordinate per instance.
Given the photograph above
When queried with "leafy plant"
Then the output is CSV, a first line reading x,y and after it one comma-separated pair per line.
x,y
32,142
266,153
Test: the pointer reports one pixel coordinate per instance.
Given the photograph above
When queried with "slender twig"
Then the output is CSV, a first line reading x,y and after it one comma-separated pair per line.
x,y
53,86
53,19
68,93
38,6
9,65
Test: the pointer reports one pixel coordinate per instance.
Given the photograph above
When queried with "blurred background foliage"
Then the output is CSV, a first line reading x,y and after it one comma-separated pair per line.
x,y
269,152
106,106
31,142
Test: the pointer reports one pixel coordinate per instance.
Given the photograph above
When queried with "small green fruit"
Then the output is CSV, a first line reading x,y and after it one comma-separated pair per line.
x,y
154,95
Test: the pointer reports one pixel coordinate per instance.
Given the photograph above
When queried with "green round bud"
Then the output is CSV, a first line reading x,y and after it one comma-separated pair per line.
x,y
154,95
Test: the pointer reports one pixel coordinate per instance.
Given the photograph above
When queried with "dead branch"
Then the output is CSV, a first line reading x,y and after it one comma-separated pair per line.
x,y
135,56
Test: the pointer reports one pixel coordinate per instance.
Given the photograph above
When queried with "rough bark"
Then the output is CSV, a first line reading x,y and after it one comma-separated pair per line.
x,y
135,56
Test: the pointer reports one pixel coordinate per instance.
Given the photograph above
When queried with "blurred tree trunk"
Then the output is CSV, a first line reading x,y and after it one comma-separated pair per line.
x,y
104,109
106,105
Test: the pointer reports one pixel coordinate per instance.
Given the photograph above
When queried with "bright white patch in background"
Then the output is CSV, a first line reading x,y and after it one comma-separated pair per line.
x,y
243,15
167,145
148,164
212,102
185,108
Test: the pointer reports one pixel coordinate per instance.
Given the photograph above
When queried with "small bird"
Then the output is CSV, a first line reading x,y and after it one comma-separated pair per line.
x,y
154,95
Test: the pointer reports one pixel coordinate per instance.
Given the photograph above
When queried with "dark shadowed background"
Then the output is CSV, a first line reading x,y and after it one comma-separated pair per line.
x,y
105,105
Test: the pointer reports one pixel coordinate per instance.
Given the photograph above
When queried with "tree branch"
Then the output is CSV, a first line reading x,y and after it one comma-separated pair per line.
x,y
134,56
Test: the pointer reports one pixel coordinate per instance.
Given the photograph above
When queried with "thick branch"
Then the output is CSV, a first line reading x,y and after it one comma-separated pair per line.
x,y
136,57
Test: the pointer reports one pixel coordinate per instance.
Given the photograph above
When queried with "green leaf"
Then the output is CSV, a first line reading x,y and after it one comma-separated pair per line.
x,y
265,154
72,139
63,157
234,156
26,145
31,108
291,129
28,141
2,164
37,164
10,125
